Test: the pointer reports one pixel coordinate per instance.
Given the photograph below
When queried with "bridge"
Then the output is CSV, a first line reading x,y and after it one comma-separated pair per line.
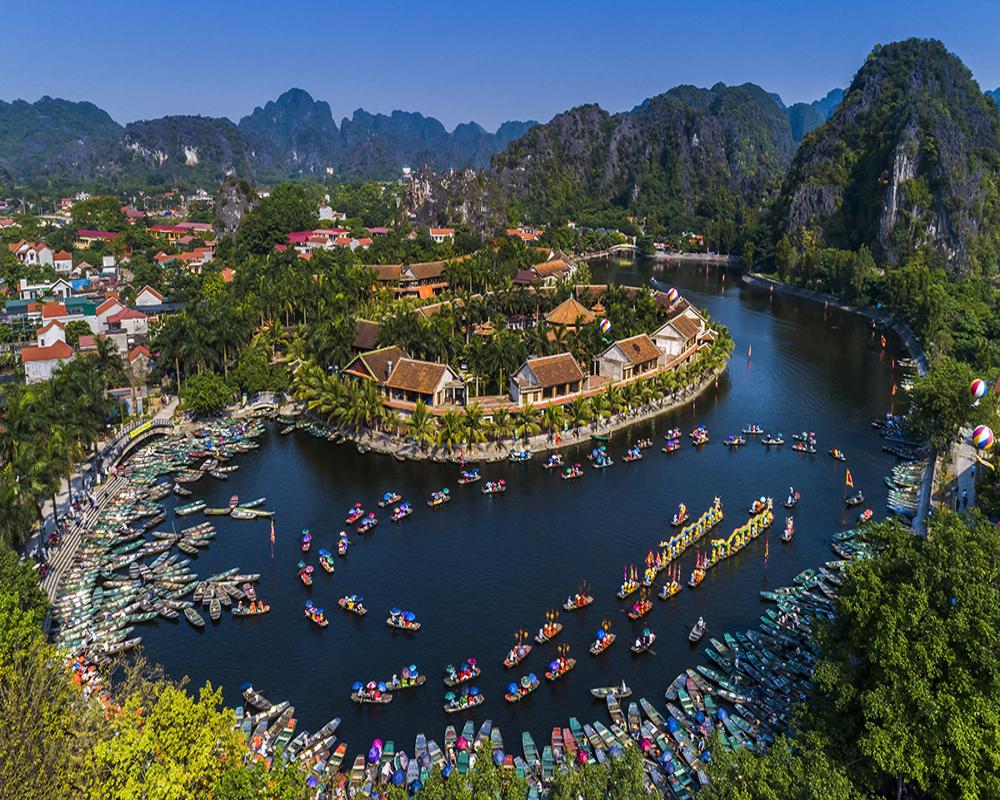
x,y
264,402
614,249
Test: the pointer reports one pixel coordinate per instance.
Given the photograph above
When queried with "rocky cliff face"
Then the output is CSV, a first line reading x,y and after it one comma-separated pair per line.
x,y
910,157
234,200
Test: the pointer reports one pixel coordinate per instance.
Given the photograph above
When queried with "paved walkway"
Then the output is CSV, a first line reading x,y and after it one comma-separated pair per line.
x,y
62,556
964,458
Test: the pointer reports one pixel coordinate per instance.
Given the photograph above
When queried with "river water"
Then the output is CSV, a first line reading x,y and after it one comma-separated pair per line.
x,y
481,568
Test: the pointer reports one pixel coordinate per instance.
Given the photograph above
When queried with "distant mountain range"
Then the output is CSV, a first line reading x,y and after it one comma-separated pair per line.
x,y
56,142
803,117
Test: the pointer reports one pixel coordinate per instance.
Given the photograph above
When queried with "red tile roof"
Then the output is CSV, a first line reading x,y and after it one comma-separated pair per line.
x,y
126,313
62,255
138,350
50,324
54,310
151,290
58,350
84,233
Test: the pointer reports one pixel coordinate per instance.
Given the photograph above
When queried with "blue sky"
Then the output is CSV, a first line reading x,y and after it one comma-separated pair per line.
x,y
457,60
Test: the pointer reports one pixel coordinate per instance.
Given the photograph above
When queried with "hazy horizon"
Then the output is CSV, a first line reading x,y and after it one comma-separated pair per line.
x,y
459,62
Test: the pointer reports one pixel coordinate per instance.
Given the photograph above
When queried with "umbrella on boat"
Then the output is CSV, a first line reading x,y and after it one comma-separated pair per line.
x,y
413,670
645,744
672,725
471,662
526,681
394,612
450,669
461,742
381,686
405,673
721,714
372,685
474,691
446,771
601,634
581,756
309,603
409,616
553,665
511,688
357,686
312,781
449,697
398,778
532,677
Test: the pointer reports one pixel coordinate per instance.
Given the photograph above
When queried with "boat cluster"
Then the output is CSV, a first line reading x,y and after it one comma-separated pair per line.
x,y
119,578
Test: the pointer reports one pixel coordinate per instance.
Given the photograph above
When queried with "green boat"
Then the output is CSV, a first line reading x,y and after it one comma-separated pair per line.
x,y
602,438
530,751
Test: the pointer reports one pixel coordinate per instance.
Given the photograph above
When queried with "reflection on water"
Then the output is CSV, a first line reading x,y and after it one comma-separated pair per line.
x,y
481,568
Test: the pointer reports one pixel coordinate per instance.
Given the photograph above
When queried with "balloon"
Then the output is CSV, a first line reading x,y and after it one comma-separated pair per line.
x,y
978,388
672,296
982,437
605,326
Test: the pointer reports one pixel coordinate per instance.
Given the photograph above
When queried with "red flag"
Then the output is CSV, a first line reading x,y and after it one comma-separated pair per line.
x,y
848,480
272,537
883,340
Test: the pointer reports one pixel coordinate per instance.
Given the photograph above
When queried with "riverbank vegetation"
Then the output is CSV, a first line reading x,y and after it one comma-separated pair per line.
x,y
47,430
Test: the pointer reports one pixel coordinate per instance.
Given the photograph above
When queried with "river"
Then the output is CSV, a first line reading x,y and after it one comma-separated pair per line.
x,y
481,568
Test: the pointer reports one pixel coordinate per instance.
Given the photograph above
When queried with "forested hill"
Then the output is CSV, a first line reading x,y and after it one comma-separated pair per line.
x,y
688,154
910,157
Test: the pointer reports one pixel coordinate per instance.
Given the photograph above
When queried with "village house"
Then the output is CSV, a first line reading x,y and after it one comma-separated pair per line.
x,y
629,358
33,291
525,234
434,384
88,238
326,213
108,308
41,362
422,280
366,335
678,336
148,296
548,273
546,378
6,223
51,332
375,365
169,233
570,314
32,253
62,262
440,234
130,321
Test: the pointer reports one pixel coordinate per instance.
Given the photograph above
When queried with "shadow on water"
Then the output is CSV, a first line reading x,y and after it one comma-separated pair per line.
x,y
481,568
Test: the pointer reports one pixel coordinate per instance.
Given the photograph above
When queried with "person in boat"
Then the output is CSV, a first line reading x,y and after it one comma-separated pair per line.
x,y
239,607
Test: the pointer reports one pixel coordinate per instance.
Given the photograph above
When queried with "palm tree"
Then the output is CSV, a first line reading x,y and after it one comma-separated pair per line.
x,y
502,425
421,425
553,418
392,422
451,430
526,421
579,411
615,398
473,423
599,407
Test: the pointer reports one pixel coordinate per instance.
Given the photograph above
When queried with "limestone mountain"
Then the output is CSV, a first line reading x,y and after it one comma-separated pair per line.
x,y
685,154
62,143
911,156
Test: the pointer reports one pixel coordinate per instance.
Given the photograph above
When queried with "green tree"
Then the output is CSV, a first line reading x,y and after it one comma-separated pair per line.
x,y
288,208
940,402
99,213
908,686
76,328
205,393
796,770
